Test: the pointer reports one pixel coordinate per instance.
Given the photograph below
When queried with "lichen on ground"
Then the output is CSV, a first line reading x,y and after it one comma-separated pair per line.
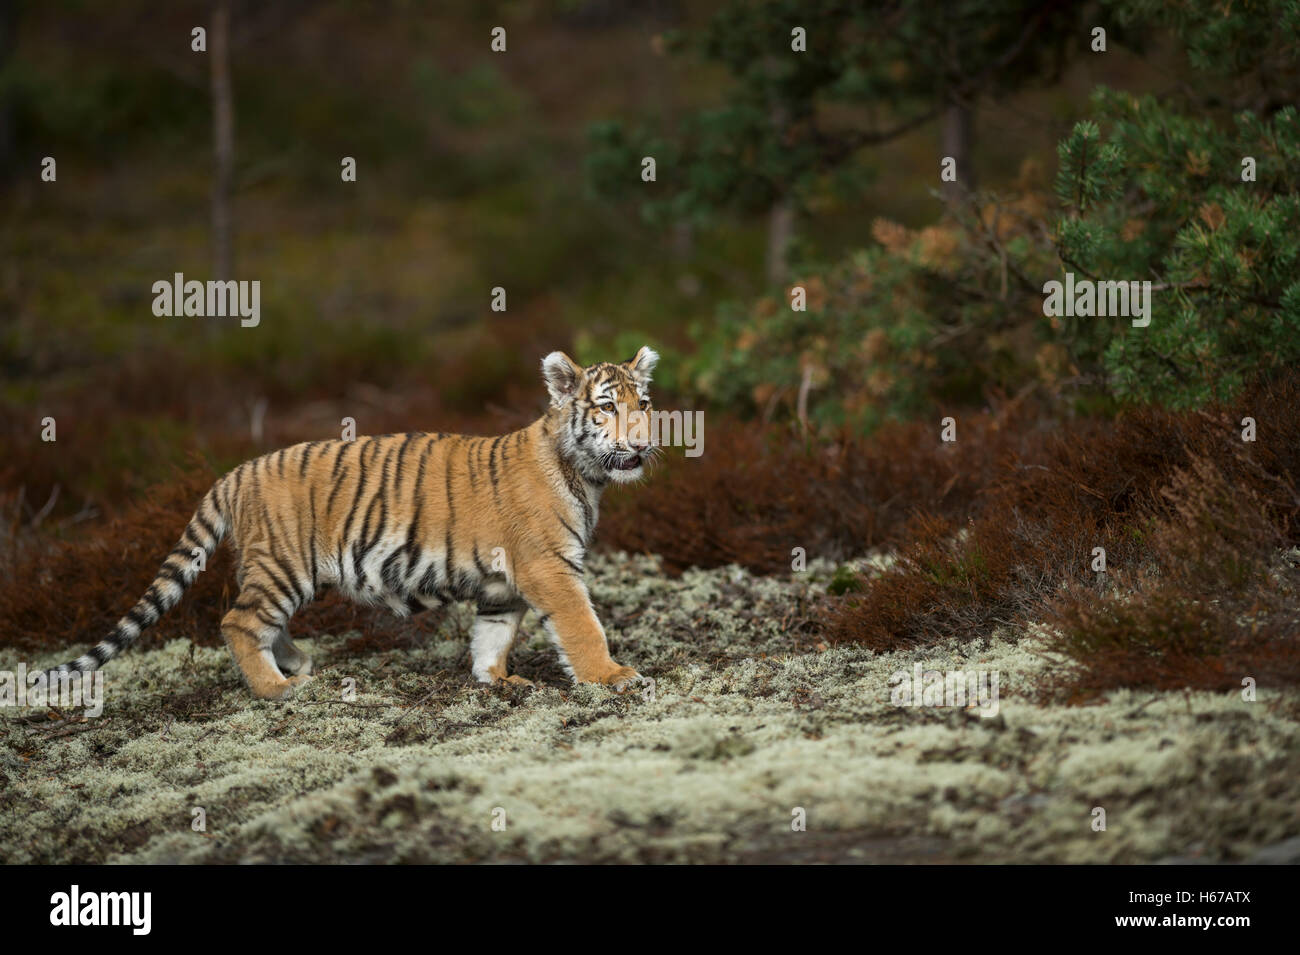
x,y
749,721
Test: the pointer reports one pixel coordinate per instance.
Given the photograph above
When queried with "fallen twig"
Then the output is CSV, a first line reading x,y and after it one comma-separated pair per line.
x,y
67,730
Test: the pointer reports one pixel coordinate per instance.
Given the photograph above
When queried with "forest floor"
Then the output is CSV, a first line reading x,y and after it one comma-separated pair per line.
x,y
750,725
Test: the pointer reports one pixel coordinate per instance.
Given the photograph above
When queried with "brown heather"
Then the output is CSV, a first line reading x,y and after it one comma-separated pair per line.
x,y
758,491
1201,588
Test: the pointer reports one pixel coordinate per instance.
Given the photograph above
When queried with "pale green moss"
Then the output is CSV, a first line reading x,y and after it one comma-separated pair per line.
x,y
747,722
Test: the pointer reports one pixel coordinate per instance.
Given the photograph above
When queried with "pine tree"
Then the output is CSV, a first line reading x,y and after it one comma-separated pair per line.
x,y
1204,207
770,145
1196,191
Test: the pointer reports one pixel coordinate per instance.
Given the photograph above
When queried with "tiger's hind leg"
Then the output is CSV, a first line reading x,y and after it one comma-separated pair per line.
x,y
251,630
495,629
288,657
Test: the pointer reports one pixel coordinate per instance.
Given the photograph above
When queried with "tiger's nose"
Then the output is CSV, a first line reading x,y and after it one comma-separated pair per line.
x,y
638,434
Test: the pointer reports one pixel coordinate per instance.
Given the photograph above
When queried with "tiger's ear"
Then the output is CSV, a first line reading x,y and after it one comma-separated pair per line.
x,y
562,375
643,364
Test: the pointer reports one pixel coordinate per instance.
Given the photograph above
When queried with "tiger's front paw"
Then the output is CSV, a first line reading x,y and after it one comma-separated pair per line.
x,y
621,679
294,683
279,690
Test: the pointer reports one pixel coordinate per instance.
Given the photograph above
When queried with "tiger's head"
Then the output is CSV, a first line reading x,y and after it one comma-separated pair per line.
x,y
603,414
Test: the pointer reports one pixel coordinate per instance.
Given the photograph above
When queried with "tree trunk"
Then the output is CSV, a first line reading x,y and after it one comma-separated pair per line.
x,y
683,240
958,135
223,143
780,229
780,218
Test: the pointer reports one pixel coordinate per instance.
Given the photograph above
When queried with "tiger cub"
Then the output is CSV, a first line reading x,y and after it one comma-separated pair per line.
x,y
416,521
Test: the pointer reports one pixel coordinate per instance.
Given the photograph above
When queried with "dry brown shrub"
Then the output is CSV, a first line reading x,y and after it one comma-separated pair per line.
x,y
74,591
1192,519
757,492
1218,601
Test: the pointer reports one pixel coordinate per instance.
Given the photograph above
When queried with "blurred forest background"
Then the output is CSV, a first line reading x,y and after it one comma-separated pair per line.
x,y
774,168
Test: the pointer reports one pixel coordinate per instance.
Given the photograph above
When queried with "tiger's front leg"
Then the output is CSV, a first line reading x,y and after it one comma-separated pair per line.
x,y
565,608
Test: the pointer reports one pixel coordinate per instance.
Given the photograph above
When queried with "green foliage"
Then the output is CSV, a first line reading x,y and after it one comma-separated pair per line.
x,y
1162,198
104,110
1147,189
476,97
1230,41
1087,168
925,318
846,580
788,126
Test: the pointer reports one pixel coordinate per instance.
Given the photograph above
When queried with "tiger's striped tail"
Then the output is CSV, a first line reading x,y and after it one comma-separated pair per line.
x,y
204,532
